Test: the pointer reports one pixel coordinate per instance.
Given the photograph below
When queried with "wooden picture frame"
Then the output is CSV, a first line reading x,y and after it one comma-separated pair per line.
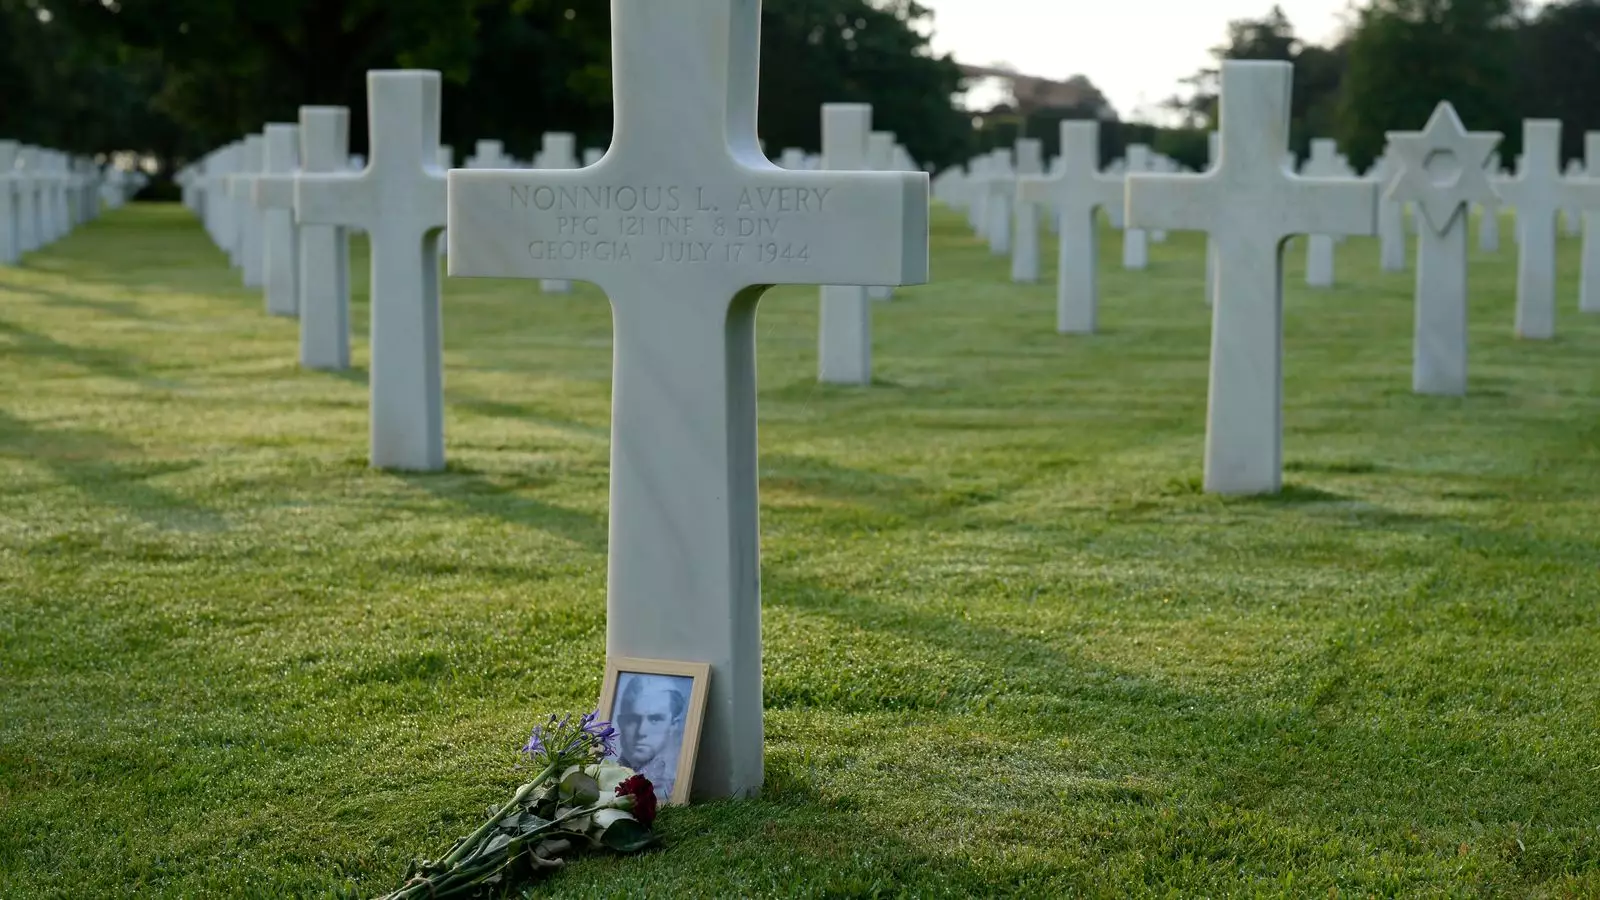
x,y
675,695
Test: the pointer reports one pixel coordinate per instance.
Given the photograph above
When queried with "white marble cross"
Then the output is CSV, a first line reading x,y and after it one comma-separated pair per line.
x,y
322,251
1025,236
1441,170
1250,203
792,158
10,251
1213,156
489,154
1489,221
1323,162
1536,193
684,224
1571,215
1075,192
1136,241
399,199
1391,218
242,188
880,158
28,188
557,150
1589,205
1000,183
280,258
844,338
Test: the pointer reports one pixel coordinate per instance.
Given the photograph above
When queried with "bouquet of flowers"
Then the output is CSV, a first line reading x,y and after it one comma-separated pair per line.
x,y
577,800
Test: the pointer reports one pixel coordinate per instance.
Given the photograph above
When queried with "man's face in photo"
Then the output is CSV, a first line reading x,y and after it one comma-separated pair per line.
x,y
647,725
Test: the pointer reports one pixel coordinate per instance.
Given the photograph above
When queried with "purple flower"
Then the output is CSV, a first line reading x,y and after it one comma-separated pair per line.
x,y
603,733
560,742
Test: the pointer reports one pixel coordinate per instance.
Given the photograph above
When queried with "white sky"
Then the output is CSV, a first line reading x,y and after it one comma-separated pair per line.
x,y
1135,51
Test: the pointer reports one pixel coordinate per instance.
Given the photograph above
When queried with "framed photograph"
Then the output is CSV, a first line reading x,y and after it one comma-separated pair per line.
x,y
656,706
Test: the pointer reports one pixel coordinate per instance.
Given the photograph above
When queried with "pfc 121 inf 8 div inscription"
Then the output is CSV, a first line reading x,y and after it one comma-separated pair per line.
x,y
670,223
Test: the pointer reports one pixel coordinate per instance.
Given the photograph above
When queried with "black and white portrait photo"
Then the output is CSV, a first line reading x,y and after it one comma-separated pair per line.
x,y
657,717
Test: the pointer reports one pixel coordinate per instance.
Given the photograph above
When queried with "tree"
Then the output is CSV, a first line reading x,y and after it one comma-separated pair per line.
x,y
843,51
1559,69
1407,55
1318,72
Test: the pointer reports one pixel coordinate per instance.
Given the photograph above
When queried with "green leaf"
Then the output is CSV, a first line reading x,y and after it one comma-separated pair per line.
x,y
628,836
580,789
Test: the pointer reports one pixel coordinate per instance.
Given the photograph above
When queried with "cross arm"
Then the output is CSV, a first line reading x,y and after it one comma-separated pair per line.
x,y
747,226
334,198
274,192
1178,202
1332,206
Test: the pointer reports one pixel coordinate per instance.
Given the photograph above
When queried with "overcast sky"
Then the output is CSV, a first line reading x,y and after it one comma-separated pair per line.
x,y
1135,51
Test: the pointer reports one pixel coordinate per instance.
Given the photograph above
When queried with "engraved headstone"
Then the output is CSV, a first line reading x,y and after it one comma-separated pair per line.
x,y
1075,193
1249,202
399,198
1441,170
683,225
1536,193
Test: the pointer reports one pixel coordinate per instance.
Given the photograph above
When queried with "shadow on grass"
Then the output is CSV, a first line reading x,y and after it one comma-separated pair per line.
x,y
78,458
1284,751
105,363
528,412
122,309
481,495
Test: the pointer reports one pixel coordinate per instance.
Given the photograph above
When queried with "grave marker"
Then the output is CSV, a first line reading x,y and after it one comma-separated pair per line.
x,y
1075,193
1589,277
399,198
683,225
1489,221
1536,193
10,252
322,252
880,158
241,188
1025,246
1441,171
1136,241
556,150
844,342
1391,218
28,239
280,241
1250,203
1000,182
1322,163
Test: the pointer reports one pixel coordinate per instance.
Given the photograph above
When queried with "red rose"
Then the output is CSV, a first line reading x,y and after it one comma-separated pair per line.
x,y
644,798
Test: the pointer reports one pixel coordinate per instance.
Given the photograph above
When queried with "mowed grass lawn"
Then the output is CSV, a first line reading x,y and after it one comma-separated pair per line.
x,y
1011,648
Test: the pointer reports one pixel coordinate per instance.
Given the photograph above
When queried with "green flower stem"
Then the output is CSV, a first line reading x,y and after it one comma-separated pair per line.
x,y
472,840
